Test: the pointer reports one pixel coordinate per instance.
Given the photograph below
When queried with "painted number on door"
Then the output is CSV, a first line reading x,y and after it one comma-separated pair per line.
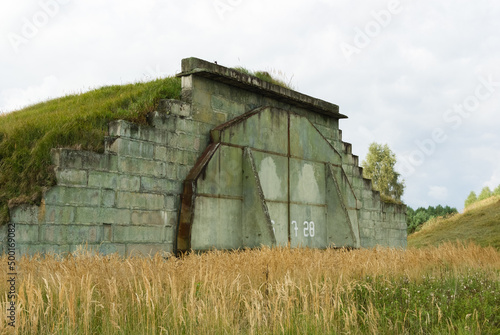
x,y
308,228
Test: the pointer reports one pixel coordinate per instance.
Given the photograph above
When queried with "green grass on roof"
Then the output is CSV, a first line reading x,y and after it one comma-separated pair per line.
x,y
75,121
265,76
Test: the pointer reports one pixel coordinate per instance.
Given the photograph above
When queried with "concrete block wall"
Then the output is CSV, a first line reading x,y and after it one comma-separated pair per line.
x,y
127,200
380,223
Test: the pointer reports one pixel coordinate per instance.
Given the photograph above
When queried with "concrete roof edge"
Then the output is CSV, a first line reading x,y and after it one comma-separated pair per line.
x,y
233,77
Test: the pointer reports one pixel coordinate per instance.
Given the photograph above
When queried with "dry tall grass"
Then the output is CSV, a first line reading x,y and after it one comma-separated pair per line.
x,y
265,291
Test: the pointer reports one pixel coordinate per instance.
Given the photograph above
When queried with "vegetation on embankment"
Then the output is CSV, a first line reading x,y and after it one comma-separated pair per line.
x,y
451,289
486,192
75,121
415,218
480,223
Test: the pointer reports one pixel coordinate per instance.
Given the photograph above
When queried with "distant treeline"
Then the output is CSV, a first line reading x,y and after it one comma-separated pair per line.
x,y
417,217
486,192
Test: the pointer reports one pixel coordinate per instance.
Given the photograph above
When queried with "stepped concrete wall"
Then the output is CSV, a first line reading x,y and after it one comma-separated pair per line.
x,y
128,200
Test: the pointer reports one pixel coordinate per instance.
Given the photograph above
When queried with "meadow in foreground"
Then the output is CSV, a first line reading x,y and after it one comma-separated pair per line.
x,y
452,288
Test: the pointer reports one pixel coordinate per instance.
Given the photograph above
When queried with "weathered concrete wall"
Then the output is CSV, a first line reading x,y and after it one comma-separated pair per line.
x,y
269,177
129,199
123,201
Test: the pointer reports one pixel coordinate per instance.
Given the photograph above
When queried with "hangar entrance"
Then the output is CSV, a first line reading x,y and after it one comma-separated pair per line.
x,y
268,178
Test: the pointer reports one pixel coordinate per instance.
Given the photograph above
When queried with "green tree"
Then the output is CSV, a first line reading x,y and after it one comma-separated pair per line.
x,y
472,198
485,193
379,167
497,190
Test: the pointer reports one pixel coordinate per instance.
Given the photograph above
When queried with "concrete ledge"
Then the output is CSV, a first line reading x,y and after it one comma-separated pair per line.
x,y
24,214
176,107
232,77
162,121
132,147
76,159
347,148
125,129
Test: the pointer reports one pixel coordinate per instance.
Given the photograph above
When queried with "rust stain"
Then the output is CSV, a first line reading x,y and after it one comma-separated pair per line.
x,y
41,211
239,119
288,181
188,199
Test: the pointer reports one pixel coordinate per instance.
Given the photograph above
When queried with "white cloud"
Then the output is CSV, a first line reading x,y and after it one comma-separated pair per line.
x,y
439,193
16,98
494,180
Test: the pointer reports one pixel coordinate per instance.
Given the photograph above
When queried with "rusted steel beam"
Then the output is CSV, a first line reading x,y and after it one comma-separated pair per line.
x,y
188,199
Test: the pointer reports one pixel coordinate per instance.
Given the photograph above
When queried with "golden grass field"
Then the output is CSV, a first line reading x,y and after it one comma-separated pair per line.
x,y
453,288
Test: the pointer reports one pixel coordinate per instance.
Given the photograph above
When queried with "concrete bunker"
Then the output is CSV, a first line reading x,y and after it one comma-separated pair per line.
x,y
236,162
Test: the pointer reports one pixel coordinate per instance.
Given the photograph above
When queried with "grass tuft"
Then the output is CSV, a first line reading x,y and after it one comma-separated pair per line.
x,y
74,121
268,77
390,200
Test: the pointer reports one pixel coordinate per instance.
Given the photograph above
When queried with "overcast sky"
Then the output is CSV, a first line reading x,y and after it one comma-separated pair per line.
x,y
422,76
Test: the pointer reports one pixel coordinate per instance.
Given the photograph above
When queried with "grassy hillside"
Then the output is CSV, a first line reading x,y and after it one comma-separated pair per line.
x,y
76,121
479,223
